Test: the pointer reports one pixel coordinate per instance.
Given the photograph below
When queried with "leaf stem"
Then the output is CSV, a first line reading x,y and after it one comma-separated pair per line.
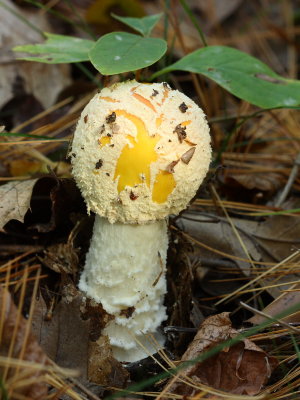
x,y
3,391
88,74
81,20
5,134
194,21
57,14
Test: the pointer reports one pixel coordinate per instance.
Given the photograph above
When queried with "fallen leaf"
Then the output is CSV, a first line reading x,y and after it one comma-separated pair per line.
x,y
64,337
269,183
280,304
241,369
103,368
71,338
254,179
28,351
13,32
258,238
287,237
15,200
216,11
61,257
64,257
216,232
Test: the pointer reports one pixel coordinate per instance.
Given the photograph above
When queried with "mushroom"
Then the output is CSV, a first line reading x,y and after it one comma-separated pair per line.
x,y
132,170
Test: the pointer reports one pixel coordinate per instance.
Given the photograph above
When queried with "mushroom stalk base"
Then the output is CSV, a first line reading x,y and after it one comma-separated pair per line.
x,y
125,272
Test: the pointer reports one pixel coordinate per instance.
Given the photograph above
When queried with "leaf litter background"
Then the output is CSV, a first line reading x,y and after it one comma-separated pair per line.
x,y
236,242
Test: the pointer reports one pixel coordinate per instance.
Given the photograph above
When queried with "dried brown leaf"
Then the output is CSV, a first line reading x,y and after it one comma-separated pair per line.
x,y
65,336
15,200
103,368
61,257
216,11
44,81
258,238
267,182
280,304
71,338
241,369
219,235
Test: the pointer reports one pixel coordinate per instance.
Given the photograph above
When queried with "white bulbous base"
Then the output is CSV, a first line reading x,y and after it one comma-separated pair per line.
x,y
125,272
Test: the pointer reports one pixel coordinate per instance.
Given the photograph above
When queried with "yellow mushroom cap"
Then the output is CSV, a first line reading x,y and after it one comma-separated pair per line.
x,y
140,152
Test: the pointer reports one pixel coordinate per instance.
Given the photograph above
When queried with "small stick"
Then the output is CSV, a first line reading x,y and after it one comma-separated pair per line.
x,y
290,181
161,270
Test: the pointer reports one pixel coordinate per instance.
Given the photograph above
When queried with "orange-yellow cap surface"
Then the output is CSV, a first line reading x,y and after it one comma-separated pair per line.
x,y
140,152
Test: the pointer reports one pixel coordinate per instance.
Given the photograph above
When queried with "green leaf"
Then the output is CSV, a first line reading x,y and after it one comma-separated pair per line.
x,y
240,74
58,49
143,25
120,52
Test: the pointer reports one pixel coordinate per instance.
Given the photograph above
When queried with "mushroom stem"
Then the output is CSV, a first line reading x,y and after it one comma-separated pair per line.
x,y
125,272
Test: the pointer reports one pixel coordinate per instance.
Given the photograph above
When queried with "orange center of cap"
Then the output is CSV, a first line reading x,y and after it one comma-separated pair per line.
x,y
133,165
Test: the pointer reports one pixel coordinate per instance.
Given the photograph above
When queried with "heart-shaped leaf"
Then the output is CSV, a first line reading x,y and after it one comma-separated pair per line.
x,y
120,52
143,25
58,49
240,74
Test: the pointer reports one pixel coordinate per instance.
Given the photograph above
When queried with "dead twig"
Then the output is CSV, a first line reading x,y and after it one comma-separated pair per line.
x,y
293,175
